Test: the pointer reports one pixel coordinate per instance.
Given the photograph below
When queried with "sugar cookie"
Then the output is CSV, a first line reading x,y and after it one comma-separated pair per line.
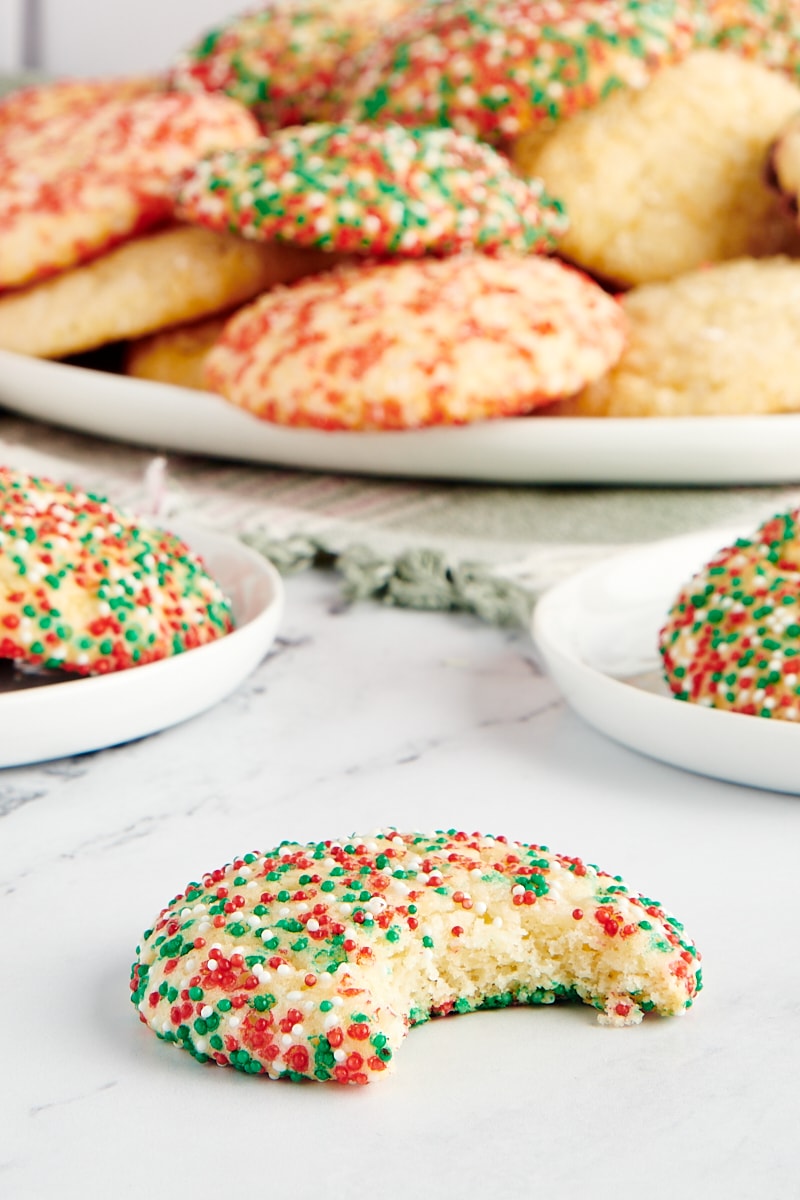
x,y
767,31
288,61
177,356
165,278
497,68
372,190
33,108
406,344
720,340
89,589
732,637
659,181
314,961
104,178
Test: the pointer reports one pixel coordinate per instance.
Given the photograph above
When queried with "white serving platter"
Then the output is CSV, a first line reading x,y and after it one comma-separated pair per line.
x,y
77,715
597,633
533,450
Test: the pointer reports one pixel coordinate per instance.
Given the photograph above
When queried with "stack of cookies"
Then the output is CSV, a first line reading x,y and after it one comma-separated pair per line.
x,y
425,212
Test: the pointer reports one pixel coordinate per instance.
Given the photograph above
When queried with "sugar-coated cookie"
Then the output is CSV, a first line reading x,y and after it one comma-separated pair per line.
x,y
96,181
767,31
290,60
497,68
31,109
732,636
314,961
719,340
90,589
177,356
367,189
405,344
161,279
658,181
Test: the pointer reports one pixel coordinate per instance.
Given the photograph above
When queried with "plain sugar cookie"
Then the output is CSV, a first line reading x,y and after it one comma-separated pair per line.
x,y
161,279
721,340
177,356
401,345
659,181
89,589
313,962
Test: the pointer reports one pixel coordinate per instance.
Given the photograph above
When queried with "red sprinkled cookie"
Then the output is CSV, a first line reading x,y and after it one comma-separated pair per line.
x,y
89,589
289,61
372,190
313,962
732,638
34,107
79,186
496,68
429,342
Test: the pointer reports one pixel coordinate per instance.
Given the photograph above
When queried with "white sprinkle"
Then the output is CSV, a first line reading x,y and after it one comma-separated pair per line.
x,y
339,1055
284,969
206,1011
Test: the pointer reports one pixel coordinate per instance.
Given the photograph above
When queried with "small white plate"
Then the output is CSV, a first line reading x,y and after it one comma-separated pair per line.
x,y
71,717
537,449
598,635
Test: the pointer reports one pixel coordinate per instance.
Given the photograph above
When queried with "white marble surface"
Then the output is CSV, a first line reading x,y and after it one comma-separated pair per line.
x,y
362,718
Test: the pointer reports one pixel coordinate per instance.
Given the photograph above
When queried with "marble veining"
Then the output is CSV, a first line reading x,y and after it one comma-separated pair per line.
x,y
361,718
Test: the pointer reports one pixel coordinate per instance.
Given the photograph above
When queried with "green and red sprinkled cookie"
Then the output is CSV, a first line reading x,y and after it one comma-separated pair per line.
x,y
381,190
406,344
89,589
495,68
732,638
313,961
83,181
767,31
288,61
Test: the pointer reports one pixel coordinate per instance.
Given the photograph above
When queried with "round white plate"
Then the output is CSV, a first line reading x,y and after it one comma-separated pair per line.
x,y
538,449
597,633
71,717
